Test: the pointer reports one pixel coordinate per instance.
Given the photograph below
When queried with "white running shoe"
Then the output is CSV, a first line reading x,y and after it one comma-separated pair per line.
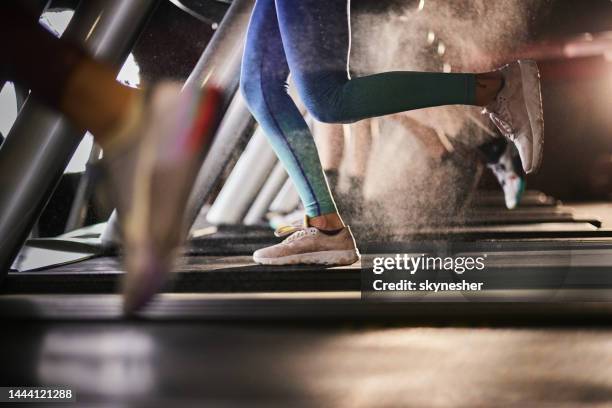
x,y
517,111
151,178
510,176
309,246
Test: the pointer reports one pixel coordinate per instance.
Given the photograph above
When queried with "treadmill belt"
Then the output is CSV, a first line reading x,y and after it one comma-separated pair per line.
x,y
231,240
533,247
580,265
530,198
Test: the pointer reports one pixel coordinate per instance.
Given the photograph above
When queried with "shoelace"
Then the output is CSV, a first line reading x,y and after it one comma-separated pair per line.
x,y
295,232
296,225
502,118
286,230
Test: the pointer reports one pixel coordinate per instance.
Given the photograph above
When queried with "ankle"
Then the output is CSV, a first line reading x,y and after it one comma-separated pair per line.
x,y
488,86
327,222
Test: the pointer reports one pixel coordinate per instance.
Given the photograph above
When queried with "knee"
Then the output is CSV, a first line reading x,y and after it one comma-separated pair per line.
x,y
323,103
326,111
322,110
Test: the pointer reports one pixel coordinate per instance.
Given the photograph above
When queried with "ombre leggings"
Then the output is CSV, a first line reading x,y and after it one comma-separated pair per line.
x,y
310,39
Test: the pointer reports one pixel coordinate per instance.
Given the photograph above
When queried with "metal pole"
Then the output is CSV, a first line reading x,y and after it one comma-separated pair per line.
x,y
85,189
245,181
41,142
234,132
21,94
219,65
287,199
267,194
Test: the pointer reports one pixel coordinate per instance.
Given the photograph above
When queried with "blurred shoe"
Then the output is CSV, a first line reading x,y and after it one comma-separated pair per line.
x,y
152,176
311,246
510,176
517,111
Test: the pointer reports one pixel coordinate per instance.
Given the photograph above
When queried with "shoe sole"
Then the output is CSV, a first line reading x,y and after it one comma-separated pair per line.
x,y
532,95
335,258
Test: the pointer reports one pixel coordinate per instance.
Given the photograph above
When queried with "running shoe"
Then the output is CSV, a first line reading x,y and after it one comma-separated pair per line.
x,y
311,246
510,176
151,178
517,111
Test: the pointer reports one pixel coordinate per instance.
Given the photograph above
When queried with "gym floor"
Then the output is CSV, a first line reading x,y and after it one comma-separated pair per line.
x,y
178,363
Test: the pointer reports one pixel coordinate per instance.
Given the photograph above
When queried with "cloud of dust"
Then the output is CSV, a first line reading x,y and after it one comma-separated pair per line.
x,y
457,36
402,183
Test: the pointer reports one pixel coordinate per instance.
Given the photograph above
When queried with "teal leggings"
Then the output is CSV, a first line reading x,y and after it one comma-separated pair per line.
x,y
310,39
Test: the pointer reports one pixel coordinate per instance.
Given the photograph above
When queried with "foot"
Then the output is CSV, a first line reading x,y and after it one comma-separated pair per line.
x,y
151,176
517,111
309,245
510,176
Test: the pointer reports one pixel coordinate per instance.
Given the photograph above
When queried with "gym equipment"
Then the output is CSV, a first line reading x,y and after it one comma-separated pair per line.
x,y
41,142
266,195
247,178
222,320
219,66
